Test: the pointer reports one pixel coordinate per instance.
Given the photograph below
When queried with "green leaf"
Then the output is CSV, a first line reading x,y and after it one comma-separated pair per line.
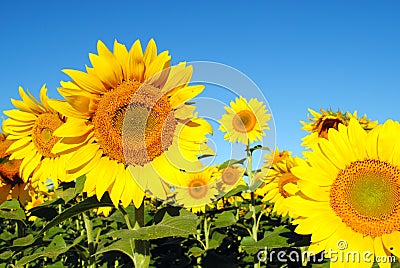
x,y
80,183
226,218
86,205
6,255
231,162
11,209
24,241
182,225
66,194
258,147
272,239
10,204
126,246
216,240
196,251
239,189
55,248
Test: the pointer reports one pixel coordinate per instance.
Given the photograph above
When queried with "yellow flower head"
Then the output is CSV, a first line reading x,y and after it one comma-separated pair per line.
x,y
350,191
30,128
319,124
245,121
280,183
231,176
129,122
196,190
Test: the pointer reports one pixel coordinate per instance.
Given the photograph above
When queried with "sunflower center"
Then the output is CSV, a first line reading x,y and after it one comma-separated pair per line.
x,y
244,121
9,172
42,133
198,188
366,196
284,180
134,123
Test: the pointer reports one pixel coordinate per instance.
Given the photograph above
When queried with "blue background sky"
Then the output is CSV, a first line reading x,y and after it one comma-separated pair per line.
x,y
339,54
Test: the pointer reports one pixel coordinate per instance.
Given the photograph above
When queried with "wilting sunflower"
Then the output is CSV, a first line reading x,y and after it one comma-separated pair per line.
x,y
350,191
244,121
319,124
128,113
280,183
30,128
198,189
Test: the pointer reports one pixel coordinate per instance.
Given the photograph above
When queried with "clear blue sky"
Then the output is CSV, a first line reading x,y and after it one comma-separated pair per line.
x,y
339,54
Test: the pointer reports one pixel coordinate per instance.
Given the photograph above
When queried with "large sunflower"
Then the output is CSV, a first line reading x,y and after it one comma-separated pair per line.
x,y
128,113
280,183
349,199
320,122
245,121
30,128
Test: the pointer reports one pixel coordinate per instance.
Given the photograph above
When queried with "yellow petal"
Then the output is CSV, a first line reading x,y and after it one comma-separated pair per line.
x,y
184,94
31,166
106,176
86,81
66,109
19,143
135,62
151,52
73,128
157,65
82,156
20,115
118,187
391,243
122,55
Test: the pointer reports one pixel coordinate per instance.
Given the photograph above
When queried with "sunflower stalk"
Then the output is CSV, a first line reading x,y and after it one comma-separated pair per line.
x,y
252,208
90,240
142,247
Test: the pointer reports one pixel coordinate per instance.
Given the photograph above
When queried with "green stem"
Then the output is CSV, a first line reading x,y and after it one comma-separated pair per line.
x,y
142,247
206,234
90,239
254,229
126,217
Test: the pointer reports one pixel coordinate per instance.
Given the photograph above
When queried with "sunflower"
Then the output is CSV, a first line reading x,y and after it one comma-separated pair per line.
x,y
320,123
30,128
244,121
198,189
350,192
231,176
11,184
280,183
129,123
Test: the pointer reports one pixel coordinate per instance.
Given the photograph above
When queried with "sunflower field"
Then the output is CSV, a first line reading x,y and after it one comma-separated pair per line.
x,y
115,174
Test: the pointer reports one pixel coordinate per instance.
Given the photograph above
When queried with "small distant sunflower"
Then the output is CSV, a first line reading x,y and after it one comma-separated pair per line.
x,y
231,176
129,115
320,123
280,183
198,189
350,191
30,128
245,121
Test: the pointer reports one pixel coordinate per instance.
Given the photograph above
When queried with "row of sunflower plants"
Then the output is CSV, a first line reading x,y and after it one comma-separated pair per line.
x,y
112,176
